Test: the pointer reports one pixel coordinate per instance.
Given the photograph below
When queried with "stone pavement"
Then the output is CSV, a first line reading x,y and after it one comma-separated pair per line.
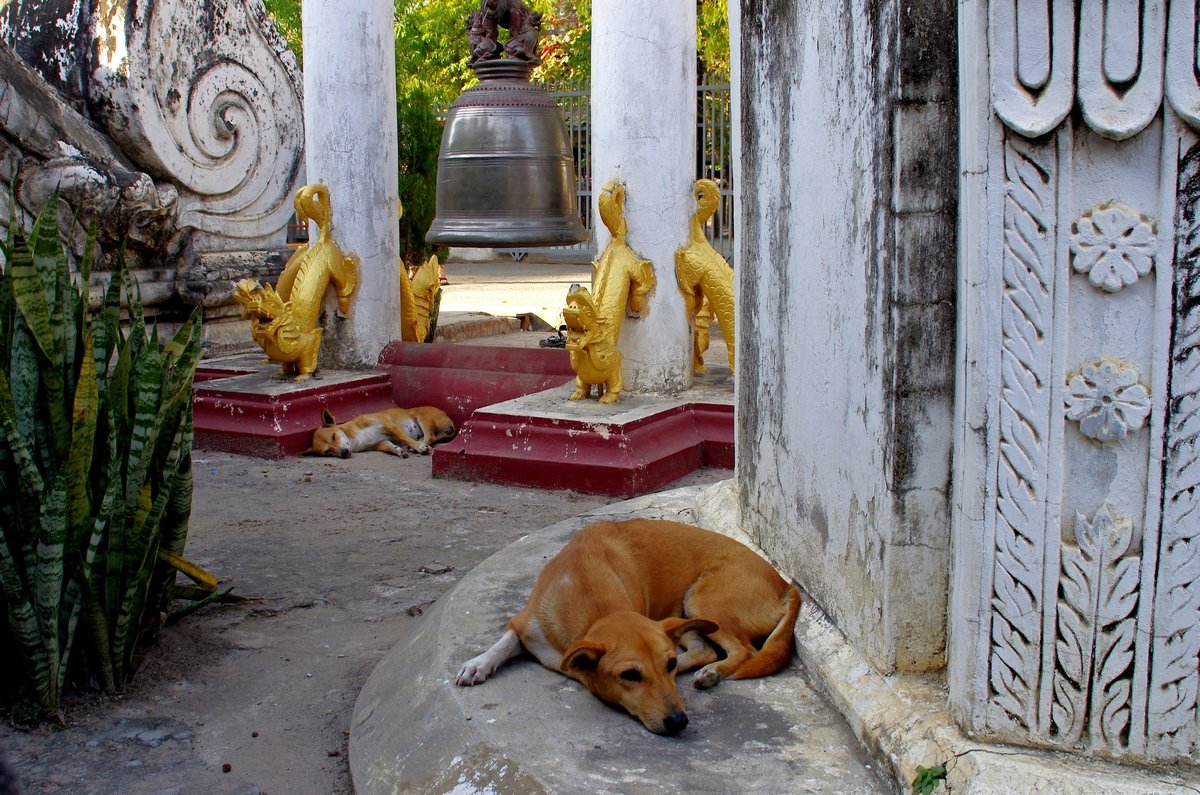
x,y
530,730
505,289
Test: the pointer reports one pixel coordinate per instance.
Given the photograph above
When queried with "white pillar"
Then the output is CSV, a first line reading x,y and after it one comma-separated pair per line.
x,y
644,117
350,142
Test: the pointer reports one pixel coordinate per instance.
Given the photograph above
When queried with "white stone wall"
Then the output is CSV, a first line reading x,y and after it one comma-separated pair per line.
x,y
845,326
1076,610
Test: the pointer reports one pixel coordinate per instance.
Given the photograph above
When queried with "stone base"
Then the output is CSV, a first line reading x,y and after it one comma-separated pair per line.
x,y
633,447
244,406
529,730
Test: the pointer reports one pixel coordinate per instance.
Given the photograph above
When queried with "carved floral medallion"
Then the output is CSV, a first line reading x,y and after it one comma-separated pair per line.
x,y
1107,401
1113,246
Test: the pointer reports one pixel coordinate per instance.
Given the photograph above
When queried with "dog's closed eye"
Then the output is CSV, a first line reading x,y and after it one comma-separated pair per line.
x,y
631,675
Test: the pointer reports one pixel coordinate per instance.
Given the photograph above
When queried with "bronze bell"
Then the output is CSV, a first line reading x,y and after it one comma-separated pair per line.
x,y
506,175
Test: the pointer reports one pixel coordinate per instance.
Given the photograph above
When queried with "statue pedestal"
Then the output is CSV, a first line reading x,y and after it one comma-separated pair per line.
x,y
242,405
633,447
516,424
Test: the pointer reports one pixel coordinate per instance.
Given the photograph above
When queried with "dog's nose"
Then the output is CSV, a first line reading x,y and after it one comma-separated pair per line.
x,y
344,453
675,723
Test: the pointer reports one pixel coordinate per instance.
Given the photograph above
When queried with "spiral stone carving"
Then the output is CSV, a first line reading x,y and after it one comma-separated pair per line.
x,y
204,93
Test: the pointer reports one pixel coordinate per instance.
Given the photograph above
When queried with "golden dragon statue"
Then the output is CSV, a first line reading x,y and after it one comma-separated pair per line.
x,y
705,278
420,296
284,319
621,279
419,301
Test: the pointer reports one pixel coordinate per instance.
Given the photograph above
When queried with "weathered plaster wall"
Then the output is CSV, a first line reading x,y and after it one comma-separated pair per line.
x,y
846,324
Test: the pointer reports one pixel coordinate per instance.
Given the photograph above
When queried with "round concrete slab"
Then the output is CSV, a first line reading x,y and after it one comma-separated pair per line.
x,y
532,730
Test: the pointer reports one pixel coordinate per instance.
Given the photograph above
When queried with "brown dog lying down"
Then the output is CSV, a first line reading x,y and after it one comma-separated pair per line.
x,y
416,429
625,606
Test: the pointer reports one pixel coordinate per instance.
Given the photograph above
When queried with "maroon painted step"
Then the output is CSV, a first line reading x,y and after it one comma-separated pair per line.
x,y
259,414
625,458
462,378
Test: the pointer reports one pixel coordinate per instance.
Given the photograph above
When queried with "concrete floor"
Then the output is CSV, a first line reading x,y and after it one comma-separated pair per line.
x,y
531,730
508,288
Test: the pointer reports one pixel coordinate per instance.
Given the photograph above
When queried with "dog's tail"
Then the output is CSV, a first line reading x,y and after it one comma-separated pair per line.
x,y
776,651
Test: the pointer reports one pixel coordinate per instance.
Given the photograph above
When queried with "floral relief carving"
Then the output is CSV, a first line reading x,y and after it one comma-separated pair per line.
x,y
1107,401
1099,588
1113,245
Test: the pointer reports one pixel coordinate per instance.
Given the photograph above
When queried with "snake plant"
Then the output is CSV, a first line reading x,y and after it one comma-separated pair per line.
x,y
95,475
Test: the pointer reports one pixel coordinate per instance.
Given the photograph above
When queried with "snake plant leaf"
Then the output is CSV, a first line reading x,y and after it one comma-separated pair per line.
x,y
47,592
106,331
85,416
147,423
143,547
7,306
95,477
33,282
194,572
25,630
29,484
177,515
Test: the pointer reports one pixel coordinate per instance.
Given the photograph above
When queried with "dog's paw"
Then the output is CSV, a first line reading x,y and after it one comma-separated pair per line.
x,y
705,678
424,449
473,672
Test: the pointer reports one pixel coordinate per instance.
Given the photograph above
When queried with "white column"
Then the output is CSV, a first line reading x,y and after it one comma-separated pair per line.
x,y
350,139
644,117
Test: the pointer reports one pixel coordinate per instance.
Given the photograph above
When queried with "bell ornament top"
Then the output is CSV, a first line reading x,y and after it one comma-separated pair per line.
x,y
523,26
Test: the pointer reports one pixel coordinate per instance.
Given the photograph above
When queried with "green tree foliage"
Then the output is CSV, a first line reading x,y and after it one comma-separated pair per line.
x,y
286,15
566,46
419,137
712,36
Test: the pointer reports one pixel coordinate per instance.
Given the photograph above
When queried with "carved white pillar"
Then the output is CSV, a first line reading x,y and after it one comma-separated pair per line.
x,y
644,133
1076,607
350,130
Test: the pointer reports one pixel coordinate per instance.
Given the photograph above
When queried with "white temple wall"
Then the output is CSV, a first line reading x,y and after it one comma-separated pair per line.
x,y
846,318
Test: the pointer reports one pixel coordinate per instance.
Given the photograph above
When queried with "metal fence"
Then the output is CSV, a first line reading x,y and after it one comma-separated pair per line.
x,y
714,153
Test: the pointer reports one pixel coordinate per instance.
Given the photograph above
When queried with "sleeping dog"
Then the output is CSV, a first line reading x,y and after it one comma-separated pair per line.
x,y
394,431
626,606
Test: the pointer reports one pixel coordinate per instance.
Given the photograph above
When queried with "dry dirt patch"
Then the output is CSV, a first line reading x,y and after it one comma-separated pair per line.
x,y
338,558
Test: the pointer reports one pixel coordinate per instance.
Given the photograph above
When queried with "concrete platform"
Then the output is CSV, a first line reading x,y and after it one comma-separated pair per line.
x,y
827,723
638,445
530,730
243,405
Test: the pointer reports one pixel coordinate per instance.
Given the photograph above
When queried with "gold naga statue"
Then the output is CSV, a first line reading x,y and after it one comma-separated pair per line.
x,y
284,320
418,296
705,278
418,300
621,279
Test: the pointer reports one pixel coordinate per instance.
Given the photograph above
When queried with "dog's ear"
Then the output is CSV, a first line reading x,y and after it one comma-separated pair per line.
x,y
583,657
327,420
675,627
309,451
